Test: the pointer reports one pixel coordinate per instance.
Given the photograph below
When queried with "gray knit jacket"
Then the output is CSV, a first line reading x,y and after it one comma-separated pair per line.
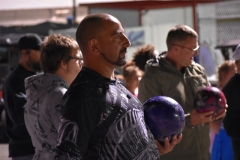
x,y
42,112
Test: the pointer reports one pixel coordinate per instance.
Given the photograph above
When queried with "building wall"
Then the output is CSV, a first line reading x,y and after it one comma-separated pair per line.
x,y
128,18
35,16
156,24
169,16
218,23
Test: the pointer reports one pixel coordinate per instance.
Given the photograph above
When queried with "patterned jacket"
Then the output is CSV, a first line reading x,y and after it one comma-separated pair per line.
x,y
42,116
101,119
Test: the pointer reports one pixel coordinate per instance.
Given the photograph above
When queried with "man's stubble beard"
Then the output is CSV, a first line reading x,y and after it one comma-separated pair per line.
x,y
34,65
120,61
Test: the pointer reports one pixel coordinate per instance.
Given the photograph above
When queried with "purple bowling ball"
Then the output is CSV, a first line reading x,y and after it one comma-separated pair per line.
x,y
164,117
210,99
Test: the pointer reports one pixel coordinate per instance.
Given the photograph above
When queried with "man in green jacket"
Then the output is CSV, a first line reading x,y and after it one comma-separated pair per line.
x,y
176,75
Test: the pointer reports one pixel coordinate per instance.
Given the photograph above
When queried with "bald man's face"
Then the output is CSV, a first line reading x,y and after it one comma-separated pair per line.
x,y
113,43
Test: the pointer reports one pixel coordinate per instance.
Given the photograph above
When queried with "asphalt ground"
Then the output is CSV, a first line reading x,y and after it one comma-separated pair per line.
x,y
4,151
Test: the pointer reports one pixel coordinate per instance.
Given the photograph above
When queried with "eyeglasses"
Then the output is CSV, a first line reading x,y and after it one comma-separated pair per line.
x,y
194,49
80,60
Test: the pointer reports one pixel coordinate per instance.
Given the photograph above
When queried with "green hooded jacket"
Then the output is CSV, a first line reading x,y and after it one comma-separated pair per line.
x,y
163,79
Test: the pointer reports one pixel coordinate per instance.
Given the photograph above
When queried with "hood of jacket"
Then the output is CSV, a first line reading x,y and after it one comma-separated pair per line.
x,y
38,85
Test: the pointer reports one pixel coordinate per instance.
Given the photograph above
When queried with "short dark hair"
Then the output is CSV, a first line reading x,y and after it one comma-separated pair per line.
x,y
142,55
54,49
89,28
179,33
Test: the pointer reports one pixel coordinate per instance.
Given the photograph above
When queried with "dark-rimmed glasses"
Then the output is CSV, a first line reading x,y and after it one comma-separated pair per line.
x,y
77,58
191,49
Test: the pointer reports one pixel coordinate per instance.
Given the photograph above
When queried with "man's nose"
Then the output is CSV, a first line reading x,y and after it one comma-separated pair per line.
x,y
127,43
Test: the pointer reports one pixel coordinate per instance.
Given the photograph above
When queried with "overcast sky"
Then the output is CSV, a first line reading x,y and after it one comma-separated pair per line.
x,y
34,4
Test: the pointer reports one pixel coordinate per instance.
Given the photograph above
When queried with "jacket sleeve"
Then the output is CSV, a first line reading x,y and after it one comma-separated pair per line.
x,y
15,101
53,106
149,86
232,119
79,118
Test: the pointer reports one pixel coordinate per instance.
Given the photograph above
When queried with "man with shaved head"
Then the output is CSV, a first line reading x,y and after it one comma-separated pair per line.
x,y
101,119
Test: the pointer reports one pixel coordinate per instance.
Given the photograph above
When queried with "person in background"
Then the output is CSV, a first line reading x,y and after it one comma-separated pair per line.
x,y
225,72
61,61
177,76
132,75
20,144
221,145
206,59
101,119
143,54
118,74
232,92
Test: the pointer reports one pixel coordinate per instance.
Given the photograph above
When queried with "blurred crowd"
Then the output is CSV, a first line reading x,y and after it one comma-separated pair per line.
x,y
82,99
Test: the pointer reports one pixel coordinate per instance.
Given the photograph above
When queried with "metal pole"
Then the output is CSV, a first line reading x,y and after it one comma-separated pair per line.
x,y
74,12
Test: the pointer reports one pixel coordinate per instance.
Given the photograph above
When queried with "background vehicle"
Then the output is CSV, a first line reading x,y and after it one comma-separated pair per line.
x,y
228,48
8,60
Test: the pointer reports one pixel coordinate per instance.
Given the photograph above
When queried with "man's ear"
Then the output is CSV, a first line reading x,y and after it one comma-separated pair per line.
x,y
63,65
93,45
175,48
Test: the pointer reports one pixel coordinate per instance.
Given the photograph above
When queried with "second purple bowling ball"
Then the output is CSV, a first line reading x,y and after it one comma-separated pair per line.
x,y
164,117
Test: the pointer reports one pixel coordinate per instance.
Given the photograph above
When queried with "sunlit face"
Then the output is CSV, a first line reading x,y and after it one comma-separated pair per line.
x,y
33,59
113,43
74,65
187,50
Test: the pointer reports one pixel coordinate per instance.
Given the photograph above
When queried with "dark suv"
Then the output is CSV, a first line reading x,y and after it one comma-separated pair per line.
x,y
8,60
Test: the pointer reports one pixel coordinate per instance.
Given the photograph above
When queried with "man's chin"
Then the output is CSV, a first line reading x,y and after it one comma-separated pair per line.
x,y
36,68
120,64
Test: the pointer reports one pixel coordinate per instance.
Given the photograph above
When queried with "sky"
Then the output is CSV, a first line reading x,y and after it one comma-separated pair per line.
x,y
37,4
